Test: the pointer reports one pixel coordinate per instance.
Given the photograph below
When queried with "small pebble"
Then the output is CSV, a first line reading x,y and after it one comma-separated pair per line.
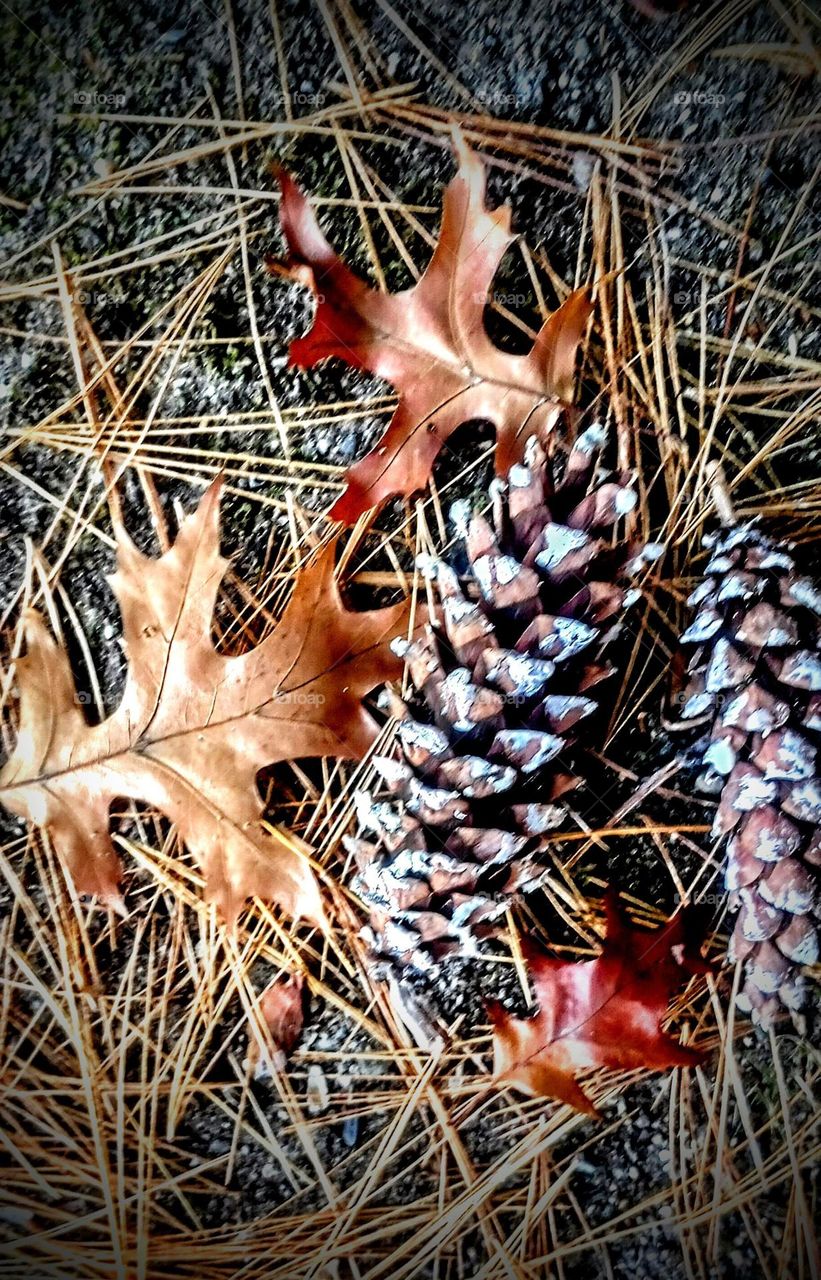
x,y
582,168
317,1096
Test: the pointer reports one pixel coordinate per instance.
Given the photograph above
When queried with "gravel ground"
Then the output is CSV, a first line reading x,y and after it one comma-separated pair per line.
x,y
558,65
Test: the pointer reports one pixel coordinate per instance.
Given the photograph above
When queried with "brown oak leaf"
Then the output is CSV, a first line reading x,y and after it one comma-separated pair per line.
x,y
195,726
430,341
282,1007
606,1012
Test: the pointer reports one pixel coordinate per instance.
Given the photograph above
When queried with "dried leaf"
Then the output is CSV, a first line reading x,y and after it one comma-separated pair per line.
x,y
606,1012
195,726
430,342
281,1006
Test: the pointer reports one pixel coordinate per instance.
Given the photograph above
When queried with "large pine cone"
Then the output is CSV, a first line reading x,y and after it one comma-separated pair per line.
x,y
755,676
501,684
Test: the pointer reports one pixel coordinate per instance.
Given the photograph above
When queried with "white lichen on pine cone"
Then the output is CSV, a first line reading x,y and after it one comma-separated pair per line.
x,y
502,683
755,676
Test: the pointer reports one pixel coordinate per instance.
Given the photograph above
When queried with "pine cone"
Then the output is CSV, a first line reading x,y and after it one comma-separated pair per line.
x,y
501,685
755,677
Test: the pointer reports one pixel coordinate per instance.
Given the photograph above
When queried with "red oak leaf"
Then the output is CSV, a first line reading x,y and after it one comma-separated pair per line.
x,y
281,1006
606,1012
430,342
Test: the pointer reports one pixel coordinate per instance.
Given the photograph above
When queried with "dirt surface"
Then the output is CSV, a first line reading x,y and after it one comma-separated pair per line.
x,y
76,75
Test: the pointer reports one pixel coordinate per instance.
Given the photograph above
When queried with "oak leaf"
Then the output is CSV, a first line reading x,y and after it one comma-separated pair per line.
x,y
195,726
430,341
606,1012
282,1008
